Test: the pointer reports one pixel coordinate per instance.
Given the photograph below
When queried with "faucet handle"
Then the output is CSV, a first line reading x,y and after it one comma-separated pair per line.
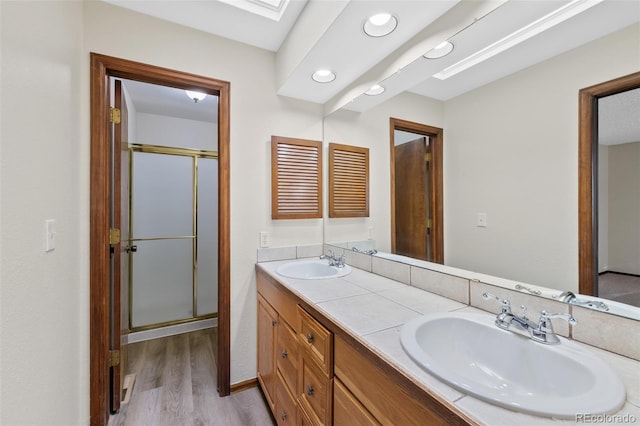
x,y
329,255
544,317
544,332
504,303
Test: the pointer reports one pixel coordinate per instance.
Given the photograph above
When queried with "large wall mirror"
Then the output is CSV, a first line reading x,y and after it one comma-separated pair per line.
x,y
510,168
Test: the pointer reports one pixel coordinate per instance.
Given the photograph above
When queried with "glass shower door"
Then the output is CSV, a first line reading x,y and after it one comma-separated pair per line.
x,y
162,228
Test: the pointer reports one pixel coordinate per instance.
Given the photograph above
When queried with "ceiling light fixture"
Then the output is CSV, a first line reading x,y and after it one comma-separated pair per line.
x,y
375,90
324,76
380,25
195,96
441,50
546,22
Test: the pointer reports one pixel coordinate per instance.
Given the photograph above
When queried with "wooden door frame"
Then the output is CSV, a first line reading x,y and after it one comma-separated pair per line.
x,y
103,67
588,175
436,209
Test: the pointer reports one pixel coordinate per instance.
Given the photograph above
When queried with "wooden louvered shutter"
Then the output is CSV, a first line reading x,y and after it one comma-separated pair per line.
x,y
348,181
296,178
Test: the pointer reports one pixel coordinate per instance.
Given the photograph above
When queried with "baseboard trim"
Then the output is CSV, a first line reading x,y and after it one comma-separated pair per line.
x,y
619,273
242,386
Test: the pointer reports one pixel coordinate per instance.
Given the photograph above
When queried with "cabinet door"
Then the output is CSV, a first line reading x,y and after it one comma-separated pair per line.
x,y
286,412
347,410
267,326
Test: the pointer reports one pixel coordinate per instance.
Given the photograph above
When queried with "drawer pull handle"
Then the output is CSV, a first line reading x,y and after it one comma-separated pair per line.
x,y
284,355
310,390
273,323
283,415
310,337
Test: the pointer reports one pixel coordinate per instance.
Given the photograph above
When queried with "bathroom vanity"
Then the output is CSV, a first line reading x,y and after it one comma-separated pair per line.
x,y
313,372
329,352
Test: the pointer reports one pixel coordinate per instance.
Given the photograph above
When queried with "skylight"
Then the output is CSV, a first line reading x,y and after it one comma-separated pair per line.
x,y
271,9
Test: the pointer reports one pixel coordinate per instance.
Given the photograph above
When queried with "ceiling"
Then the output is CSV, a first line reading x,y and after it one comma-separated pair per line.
x,y
306,35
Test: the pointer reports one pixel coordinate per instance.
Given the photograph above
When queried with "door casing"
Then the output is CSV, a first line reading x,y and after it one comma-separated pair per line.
x,y
436,210
103,67
588,176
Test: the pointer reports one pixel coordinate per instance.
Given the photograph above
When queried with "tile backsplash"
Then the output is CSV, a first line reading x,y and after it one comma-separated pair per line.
x,y
606,331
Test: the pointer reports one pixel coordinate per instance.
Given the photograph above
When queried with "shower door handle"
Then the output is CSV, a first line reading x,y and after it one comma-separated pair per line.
x,y
131,249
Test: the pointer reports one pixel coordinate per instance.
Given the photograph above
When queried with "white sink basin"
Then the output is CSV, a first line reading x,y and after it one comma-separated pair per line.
x,y
312,270
469,352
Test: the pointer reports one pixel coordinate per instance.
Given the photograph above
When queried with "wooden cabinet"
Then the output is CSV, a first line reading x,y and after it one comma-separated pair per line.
x,y
278,350
267,327
347,410
314,374
315,370
285,411
390,398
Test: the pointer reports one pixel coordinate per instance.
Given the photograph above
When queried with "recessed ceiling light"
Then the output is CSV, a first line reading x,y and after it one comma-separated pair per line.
x,y
546,22
324,76
380,24
441,50
195,96
375,90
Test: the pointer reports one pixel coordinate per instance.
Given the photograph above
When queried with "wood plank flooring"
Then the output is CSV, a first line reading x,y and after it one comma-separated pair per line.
x,y
620,287
176,386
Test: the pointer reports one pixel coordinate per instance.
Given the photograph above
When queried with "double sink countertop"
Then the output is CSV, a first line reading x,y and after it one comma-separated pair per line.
x,y
372,309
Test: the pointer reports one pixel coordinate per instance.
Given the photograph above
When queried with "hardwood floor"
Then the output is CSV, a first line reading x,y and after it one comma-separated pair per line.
x,y
176,385
620,287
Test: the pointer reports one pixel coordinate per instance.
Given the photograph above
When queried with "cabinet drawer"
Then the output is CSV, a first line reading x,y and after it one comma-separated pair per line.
x,y
314,391
316,341
284,303
285,410
287,355
347,410
386,398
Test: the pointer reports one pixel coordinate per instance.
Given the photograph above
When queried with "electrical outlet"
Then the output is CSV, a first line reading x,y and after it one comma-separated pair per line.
x,y
264,239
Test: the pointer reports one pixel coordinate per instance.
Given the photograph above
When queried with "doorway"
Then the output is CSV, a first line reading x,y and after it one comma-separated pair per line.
x,y
588,176
105,240
416,190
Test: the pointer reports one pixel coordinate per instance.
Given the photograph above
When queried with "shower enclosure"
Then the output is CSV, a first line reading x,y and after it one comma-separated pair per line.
x,y
173,225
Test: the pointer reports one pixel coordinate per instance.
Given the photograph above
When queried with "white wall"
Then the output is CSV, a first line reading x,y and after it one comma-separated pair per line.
x,y
44,297
371,129
256,114
510,151
624,208
153,129
603,208
45,174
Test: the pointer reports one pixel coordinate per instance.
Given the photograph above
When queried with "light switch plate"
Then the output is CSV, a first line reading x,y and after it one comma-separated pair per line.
x,y
50,235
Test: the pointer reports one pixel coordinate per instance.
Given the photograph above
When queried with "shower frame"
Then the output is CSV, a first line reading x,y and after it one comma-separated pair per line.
x,y
195,154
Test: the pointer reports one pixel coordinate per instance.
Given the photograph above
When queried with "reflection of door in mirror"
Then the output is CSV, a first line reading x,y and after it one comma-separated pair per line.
x,y
416,191
599,233
619,197
412,196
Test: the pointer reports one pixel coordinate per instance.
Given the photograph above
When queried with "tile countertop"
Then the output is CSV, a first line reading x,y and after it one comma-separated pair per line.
x,y
372,309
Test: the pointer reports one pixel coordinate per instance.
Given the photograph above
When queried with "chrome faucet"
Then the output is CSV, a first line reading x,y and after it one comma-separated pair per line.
x,y
370,252
334,260
541,332
572,299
